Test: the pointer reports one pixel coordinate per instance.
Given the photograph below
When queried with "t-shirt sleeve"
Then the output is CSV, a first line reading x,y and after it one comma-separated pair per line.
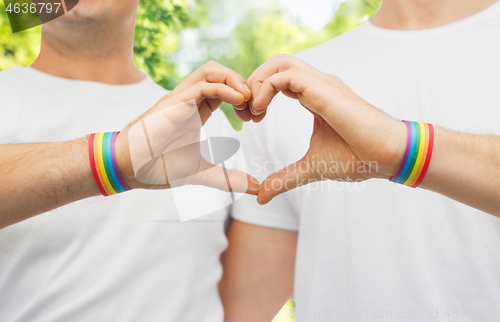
x,y
276,214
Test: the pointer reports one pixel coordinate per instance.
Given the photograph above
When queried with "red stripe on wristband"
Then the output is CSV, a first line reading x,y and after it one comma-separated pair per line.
x,y
428,159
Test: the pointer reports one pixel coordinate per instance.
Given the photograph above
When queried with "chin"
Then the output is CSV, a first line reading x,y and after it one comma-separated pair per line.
x,y
86,11
96,12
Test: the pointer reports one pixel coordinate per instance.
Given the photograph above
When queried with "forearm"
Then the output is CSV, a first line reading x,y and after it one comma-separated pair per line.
x,y
258,274
36,178
466,167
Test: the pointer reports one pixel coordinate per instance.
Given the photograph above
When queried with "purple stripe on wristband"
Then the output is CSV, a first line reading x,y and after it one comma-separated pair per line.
x,y
407,151
115,165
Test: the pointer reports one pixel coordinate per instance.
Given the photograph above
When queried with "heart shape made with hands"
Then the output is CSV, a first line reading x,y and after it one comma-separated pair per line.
x,y
347,130
351,139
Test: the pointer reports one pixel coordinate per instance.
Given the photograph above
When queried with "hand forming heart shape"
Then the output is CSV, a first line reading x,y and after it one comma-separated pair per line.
x,y
348,131
163,148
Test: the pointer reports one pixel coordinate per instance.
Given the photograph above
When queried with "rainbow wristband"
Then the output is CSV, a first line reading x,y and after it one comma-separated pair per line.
x,y
418,153
103,164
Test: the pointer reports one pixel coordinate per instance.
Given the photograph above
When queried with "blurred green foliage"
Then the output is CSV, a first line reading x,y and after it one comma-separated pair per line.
x,y
155,42
157,26
17,49
265,31
349,15
262,30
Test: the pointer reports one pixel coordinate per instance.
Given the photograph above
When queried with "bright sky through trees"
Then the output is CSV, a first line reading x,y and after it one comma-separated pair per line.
x,y
314,14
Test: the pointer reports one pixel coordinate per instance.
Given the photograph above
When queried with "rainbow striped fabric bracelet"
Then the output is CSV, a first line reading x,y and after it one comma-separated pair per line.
x,y
103,163
418,153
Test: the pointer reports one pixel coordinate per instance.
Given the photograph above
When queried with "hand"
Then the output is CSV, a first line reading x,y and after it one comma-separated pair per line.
x,y
351,139
161,149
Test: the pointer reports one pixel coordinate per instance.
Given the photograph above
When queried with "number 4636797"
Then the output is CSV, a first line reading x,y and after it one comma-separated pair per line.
x,y
33,7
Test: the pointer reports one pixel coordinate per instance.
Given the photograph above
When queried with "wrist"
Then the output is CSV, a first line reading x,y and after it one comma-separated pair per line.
x,y
417,155
397,149
394,151
78,155
102,156
124,161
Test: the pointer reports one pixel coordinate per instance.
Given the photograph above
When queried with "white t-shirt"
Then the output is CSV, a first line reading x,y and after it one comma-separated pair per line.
x,y
375,248
121,258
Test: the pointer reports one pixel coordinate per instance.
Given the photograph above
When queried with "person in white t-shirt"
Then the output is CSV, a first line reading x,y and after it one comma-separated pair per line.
x,y
123,258
374,249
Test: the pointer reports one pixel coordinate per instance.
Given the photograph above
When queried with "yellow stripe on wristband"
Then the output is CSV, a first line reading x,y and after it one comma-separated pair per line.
x,y
419,163
106,183
104,165
424,155
418,153
96,162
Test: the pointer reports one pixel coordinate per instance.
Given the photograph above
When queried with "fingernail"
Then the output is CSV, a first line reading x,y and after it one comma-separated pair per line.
x,y
246,87
240,107
253,186
257,112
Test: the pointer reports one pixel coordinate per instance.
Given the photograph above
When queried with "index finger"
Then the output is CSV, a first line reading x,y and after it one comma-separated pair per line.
x,y
277,64
213,72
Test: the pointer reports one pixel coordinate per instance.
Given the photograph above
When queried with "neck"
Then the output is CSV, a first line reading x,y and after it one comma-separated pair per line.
x,y
102,55
423,14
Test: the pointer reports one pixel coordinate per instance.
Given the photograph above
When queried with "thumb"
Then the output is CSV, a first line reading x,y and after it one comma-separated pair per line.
x,y
295,175
229,180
